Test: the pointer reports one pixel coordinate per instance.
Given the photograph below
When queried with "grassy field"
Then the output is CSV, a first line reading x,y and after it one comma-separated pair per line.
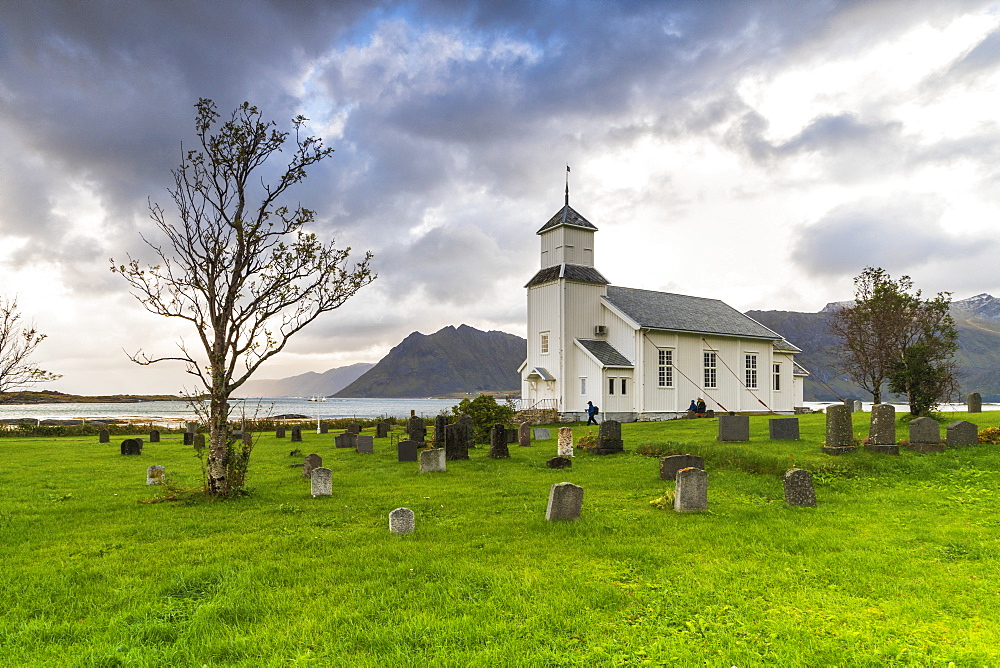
x,y
897,565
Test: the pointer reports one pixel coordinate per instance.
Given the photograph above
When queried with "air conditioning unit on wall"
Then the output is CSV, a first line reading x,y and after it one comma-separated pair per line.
x,y
600,330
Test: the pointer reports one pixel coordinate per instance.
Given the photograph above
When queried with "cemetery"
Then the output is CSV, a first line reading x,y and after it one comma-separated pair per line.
x,y
690,542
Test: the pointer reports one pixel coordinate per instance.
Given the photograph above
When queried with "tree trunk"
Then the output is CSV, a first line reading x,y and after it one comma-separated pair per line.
x,y
218,454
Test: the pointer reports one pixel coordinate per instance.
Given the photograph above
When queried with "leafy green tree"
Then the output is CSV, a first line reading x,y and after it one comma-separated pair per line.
x,y
485,412
892,337
239,265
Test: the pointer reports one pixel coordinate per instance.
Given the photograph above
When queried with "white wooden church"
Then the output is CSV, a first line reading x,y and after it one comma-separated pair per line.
x,y
640,354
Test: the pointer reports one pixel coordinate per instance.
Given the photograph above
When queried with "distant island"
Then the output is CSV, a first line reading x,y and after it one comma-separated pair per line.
x,y
53,397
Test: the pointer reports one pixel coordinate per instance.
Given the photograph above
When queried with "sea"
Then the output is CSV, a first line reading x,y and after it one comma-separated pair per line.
x,y
176,413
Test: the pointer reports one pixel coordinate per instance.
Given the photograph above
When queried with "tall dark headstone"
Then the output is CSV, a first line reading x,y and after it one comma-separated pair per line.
x,y
925,435
279,432
188,438
975,403
296,434
346,440
512,435
104,436
440,424
466,421
456,445
839,430
198,441
783,429
416,429
382,429
324,428
609,438
498,442
406,451
524,435
154,436
882,431
311,462
365,443
734,428
354,428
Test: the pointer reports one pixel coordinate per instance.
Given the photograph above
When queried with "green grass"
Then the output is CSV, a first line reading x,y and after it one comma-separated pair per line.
x,y
897,565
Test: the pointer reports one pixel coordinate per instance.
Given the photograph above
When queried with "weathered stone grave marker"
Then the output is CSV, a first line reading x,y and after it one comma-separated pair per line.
x,y
882,431
312,461
524,435
406,451
799,490
565,444
839,431
279,432
321,482
346,440
565,502
734,428
609,438
432,460
498,442
542,434
416,429
961,433
154,436
382,430
559,463
440,424
975,402
155,474
131,446
402,521
366,444
456,444
925,436
691,492
104,436
296,434
198,441
324,428
354,428
783,429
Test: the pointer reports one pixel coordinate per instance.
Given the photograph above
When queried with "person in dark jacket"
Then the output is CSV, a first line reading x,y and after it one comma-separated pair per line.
x,y
693,407
701,407
591,413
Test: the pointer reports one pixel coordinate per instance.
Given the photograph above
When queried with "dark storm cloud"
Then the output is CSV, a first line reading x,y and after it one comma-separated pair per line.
x,y
897,234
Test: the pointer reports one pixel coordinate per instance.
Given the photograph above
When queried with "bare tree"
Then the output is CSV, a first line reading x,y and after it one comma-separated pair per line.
x,y
18,340
239,265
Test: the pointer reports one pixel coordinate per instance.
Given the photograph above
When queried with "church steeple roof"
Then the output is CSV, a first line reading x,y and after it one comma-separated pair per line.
x,y
567,216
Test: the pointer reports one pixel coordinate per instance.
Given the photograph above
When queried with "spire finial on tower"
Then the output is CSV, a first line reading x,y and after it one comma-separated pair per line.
x,y
567,185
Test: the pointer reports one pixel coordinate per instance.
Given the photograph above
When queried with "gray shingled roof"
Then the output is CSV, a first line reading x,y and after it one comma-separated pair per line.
x,y
605,353
664,310
785,346
572,272
567,216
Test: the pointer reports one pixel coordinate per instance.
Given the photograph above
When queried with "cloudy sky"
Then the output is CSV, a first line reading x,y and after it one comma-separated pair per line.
x,y
761,153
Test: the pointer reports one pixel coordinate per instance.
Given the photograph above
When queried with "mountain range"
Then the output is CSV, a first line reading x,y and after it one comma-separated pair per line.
x,y
305,385
977,320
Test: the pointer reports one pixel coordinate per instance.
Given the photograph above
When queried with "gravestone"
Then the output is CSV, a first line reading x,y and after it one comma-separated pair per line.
x,y
346,440
237,436
131,446
247,438
296,434
565,445
324,428
155,475
406,451
559,463
416,429
691,492
402,521
456,444
849,404
279,432
565,502
192,427
690,415
710,413
671,464
734,428
498,442
783,429
524,435
466,421
975,403
366,444
882,432
440,424
961,433
839,431
154,436
432,460
198,441
799,490
609,438
381,430
857,407
542,434
312,461
512,435
104,436
321,482
925,436
354,428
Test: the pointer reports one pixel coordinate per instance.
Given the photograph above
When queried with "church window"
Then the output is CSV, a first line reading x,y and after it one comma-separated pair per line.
x,y
545,343
710,377
751,370
583,386
776,377
624,380
665,377
611,385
